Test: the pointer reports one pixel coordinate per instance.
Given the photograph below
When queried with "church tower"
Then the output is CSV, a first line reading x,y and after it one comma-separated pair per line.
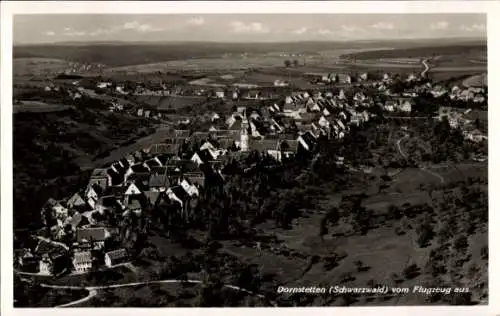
x,y
244,132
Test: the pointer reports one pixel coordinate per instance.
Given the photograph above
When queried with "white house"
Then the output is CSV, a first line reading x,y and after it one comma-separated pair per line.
x,y
82,261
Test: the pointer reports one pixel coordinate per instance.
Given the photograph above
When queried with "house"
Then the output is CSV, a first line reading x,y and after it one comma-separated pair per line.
x,y
190,189
27,261
115,257
140,112
203,156
135,170
82,261
52,263
92,234
177,194
307,141
219,93
158,182
103,85
363,76
152,197
405,105
134,205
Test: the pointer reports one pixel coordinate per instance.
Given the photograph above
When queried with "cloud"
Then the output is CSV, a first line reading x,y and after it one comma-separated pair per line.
x,y
441,25
196,21
324,32
473,28
136,26
349,28
383,26
253,27
49,33
300,31
68,31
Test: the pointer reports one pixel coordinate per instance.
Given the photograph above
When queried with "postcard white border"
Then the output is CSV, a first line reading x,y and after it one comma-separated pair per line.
x,y
491,8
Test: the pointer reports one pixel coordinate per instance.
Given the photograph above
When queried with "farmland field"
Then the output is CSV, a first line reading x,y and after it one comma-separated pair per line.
x,y
169,102
38,107
476,81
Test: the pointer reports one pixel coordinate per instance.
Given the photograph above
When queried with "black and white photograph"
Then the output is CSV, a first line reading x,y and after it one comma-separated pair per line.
x,y
248,160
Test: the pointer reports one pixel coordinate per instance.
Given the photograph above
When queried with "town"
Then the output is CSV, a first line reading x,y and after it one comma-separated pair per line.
x,y
174,171
143,177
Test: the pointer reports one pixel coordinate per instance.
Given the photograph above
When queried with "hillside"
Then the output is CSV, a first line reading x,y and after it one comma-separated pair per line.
x,y
49,149
415,52
122,54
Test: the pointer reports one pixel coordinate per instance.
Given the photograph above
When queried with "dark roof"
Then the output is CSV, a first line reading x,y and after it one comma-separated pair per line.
x,y
152,163
125,162
309,138
289,145
119,168
115,191
158,180
205,155
182,133
199,136
139,168
152,196
134,204
116,178
236,125
186,165
99,173
180,193
95,233
263,145
157,149
109,201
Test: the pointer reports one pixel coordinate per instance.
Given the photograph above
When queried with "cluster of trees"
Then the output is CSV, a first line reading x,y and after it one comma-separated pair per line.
x,y
288,63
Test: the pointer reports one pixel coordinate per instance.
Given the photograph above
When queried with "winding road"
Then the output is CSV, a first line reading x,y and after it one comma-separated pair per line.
x,y
93,290
424,72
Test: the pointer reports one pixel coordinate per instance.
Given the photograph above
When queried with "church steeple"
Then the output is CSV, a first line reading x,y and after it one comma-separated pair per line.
x,y
244,132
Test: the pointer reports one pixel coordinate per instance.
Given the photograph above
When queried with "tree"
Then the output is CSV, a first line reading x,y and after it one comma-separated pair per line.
x,y
411,271
461,244
287,63
295,63
425,236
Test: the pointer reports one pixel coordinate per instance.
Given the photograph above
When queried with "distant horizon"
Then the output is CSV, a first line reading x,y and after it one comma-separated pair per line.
x,y
244,28
128,42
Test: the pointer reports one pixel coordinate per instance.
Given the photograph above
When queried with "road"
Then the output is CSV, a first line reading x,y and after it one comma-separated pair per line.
x,y
424,72
93,289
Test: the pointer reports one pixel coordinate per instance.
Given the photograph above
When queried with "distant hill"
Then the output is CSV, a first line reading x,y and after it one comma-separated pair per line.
x,y
123,53
472,48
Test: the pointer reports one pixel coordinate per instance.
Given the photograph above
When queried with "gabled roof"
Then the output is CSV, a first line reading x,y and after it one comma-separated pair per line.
x,y
116,178
157,149
82,257
180,193
94,233
263,145
76,200
99,173
152,163
139,168
289,145
124,162
117,254
152,196
158,180
134,204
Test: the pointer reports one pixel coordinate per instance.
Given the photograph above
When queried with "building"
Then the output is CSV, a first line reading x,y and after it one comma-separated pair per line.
x,y
115,257
82,261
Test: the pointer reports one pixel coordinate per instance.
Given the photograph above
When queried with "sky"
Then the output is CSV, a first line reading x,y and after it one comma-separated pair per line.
x,y
244,27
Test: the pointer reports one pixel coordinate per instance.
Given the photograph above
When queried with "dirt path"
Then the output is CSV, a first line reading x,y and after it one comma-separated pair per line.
x,y
93,289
